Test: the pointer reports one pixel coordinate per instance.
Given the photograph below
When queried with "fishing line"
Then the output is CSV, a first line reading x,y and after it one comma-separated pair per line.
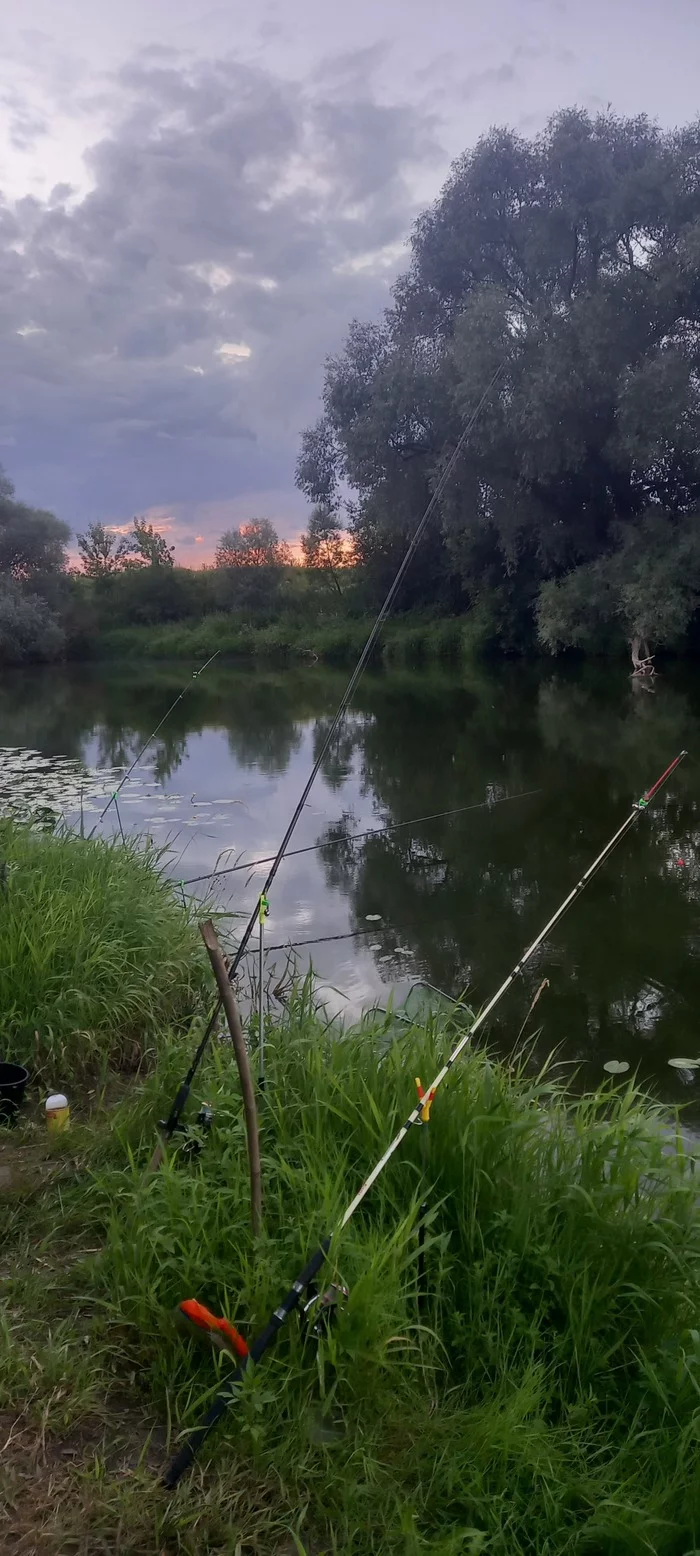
x,y
419,1115
293,945
173,1119
355,837
113,797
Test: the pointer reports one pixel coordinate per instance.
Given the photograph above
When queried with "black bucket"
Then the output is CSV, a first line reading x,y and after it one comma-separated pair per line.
x,y
13,1084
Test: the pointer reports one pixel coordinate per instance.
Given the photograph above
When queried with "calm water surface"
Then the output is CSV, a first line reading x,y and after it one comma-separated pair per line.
x,y
458,898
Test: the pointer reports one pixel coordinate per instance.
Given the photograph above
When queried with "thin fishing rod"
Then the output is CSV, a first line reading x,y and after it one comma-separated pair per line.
x,y
420,1115
173,1119
113,797
365,656
416,1116
356,837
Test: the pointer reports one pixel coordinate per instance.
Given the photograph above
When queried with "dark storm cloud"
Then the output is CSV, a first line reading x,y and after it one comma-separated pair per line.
x,y
163,336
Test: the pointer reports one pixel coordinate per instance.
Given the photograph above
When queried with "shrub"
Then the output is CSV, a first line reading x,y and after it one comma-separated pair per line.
x,y
28,628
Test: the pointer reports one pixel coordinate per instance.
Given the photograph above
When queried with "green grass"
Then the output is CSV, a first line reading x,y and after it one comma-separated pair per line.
x,y
544,1398
96,953
336,639
547,1398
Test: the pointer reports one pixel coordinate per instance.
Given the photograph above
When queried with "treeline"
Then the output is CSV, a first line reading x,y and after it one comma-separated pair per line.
x,y
555,284
50,610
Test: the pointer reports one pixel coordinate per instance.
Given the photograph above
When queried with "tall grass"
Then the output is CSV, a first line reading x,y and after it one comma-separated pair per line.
x,y
96,954
337,639
539,1395
546,1396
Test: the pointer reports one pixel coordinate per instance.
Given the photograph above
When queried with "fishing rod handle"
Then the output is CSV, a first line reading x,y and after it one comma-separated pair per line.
x,y
173,1118
188,1452
185,1458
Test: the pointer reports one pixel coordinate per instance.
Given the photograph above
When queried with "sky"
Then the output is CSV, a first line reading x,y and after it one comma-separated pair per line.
x,y
197,199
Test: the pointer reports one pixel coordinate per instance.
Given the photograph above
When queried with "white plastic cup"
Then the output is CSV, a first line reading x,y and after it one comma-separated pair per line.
x,y
57,1113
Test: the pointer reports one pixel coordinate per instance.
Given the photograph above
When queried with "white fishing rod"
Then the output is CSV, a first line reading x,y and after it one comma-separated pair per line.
x,y
420,1115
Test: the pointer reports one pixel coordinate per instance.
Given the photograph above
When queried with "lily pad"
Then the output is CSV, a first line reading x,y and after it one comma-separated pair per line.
x,y
684,1064
616,1066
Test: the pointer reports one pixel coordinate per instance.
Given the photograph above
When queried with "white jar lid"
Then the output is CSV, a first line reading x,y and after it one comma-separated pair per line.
x,y
58,1101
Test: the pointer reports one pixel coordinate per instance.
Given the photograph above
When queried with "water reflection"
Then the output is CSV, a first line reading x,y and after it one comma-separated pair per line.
x,y
460,897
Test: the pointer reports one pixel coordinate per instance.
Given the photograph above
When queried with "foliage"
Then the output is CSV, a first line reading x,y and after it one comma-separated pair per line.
x,y
566,264
150,596
95,953
32,542
249,591
149,547
256,544
333,637
650,582
102,552
29,630
324,546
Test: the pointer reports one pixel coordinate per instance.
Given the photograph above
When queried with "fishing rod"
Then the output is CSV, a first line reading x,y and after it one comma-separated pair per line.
x,y
356,837
113,797
420,1115
171,1124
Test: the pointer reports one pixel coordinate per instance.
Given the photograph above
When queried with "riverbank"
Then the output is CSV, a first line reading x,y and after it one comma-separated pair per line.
x,y
543,1394
411,640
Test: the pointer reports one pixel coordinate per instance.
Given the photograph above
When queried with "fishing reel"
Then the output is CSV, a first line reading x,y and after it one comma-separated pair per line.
x,y
322,1309
193,1144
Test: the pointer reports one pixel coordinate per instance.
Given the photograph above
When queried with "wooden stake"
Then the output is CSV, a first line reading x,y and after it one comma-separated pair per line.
x,y
261,1007
218,962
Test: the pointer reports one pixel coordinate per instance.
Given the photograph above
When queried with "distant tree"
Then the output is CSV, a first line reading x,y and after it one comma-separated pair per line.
x,y
148,548
32,542
325,546
102,551
256,544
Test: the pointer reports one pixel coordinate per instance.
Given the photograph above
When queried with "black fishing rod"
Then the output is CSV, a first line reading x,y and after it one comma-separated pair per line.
x,y
420,1115
195,677
356,837
171,1124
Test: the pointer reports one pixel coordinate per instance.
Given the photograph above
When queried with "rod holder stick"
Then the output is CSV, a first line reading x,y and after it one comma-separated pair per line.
x,y
220,971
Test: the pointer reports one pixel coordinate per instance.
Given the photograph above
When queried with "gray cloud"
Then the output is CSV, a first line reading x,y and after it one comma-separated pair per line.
x,y
163,335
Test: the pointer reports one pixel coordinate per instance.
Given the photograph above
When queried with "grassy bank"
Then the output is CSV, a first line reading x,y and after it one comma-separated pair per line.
x,y
410,640
543,1398
96,955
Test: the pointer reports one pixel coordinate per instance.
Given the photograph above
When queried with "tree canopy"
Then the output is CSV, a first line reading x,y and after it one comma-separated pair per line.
x,y
32,542
33,556
148,547
324,546
102,552
255,544
570,265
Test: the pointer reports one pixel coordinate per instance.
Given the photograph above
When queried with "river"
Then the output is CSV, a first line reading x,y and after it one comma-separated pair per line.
x,y
550,758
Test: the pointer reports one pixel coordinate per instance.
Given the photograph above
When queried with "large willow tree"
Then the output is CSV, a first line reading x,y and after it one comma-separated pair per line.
x,y
573,260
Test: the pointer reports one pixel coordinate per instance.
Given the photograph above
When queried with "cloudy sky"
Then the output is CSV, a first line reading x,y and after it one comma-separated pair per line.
x,y
195,199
